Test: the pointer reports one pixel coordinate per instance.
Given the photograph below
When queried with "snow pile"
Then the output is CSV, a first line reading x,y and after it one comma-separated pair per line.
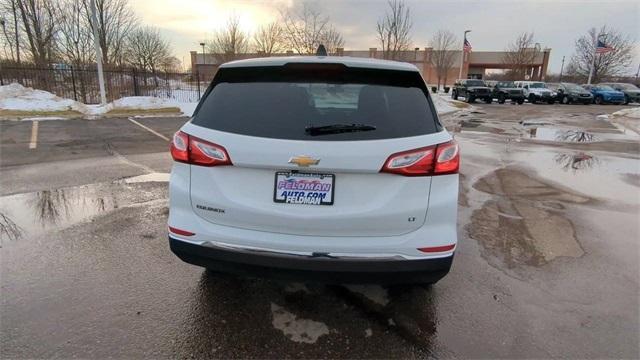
x,y
15,97
632,113
131,103
444,104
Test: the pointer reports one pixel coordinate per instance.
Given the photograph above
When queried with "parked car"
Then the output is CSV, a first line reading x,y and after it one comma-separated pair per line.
x,y
535,91
320,168
604,94
569,93
630,91
505,90
471,89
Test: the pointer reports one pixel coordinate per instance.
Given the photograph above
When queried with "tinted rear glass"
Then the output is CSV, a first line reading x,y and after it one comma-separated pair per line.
x,y
282,102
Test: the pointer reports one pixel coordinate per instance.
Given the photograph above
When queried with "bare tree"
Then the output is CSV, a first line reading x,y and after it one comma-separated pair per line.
x,y
306,28
270,39
116,20
394,30
230,41
40,22
332,40
519,53
10,29
606,65
443,55
146,49
75,38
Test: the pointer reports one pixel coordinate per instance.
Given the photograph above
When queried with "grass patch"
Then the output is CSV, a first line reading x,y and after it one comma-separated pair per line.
x,y
125,112
459,104
23,113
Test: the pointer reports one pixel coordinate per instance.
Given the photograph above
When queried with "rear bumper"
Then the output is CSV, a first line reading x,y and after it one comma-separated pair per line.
x,y
312,268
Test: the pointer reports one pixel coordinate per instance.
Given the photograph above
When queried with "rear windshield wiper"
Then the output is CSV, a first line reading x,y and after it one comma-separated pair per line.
x,y
337,129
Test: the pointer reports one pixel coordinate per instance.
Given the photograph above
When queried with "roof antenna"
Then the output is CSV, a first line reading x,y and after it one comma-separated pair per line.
x,y
322,51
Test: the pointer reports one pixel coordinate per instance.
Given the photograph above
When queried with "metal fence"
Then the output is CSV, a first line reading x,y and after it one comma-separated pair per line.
x,y
82,84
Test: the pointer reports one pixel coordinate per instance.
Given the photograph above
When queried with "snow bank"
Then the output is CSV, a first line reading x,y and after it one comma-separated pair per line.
x,y
632,113
15,97
444,104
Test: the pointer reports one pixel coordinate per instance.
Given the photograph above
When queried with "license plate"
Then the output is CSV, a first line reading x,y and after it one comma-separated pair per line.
x,y
304,188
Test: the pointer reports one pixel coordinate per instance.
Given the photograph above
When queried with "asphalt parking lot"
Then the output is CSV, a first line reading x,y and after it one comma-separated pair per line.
x,y
547,263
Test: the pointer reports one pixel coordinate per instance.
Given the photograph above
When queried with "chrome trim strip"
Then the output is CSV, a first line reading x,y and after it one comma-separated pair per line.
x,y
303,254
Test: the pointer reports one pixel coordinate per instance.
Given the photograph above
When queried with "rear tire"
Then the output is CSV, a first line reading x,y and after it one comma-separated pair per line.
x,y
626,99
501,99
454,95
520,101
565,100
532,98
551,102
598,100
488,100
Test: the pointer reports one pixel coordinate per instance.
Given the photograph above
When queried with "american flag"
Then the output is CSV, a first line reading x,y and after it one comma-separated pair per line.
x,y
467,46
603,48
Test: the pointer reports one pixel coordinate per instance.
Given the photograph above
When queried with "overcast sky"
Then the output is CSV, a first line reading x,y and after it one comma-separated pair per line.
x,y
556,24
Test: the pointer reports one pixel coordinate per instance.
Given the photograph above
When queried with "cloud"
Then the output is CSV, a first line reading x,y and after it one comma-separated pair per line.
x,y
493,23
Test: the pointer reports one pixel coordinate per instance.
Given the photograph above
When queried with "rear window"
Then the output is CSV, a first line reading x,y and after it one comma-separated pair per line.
x,y
285,101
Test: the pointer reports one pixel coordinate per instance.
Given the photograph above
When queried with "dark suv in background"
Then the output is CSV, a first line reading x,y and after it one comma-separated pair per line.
x,y
471,89
568,93
505,90
631,92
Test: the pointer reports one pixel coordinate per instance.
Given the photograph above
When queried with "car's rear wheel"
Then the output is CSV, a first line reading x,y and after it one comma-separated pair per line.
x,y
532,98
470,98
488,100
626,99
501,98
454,95
566,100
598,100
551,102
520,101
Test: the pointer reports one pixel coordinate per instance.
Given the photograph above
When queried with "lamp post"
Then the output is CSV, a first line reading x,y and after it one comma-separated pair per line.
x,y
96,44
593,61
561,68
464,38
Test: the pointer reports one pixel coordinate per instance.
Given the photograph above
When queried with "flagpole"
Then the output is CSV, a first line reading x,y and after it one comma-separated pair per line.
x,y
463,53
593,62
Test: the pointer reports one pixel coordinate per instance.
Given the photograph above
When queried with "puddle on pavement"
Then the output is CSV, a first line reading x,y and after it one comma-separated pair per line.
x,y
560,135
525,223
576,162
36,213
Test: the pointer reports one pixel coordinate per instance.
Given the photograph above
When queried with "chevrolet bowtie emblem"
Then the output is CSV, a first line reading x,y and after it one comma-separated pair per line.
x,y
303,161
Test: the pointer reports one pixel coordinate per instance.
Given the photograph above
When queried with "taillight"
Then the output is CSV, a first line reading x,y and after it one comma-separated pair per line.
x,y
180,231
192,150
427,161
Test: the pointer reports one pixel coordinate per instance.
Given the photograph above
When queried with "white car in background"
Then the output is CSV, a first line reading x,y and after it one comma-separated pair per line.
x,y
316,168
535,91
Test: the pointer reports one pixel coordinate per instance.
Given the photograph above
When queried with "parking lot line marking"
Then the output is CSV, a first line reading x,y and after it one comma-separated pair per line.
x,y
150,130
33,143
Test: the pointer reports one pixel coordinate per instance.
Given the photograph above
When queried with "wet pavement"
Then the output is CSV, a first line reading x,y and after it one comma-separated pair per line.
x,y
547,263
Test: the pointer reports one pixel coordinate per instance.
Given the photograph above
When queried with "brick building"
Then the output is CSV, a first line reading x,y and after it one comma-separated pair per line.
x,y
475,64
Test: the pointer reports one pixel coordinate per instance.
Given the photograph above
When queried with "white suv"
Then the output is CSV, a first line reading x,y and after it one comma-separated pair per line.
x,y
535,91
321,168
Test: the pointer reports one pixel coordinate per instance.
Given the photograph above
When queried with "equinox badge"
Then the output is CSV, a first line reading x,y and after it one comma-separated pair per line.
x,y
304,161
